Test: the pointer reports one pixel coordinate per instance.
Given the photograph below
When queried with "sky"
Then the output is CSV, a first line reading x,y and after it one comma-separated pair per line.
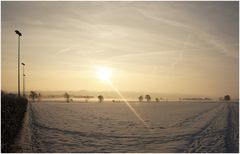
x,y
165,47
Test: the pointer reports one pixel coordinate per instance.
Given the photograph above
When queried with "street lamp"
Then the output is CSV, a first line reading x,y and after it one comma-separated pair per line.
x,y
23,80
19,34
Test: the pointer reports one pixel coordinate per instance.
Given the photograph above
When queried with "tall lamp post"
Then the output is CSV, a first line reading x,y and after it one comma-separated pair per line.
x,y
23,80
19,35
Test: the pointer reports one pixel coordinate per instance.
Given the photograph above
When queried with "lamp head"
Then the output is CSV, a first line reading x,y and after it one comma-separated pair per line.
x,y
23,64
17,32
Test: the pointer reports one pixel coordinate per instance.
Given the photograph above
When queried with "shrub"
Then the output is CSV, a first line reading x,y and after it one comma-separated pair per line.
x,y
12,114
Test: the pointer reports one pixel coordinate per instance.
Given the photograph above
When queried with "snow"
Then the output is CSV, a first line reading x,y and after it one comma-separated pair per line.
x,y
113,127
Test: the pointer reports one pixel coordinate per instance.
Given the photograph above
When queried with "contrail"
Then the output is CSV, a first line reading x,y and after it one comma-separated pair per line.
x,y
177,60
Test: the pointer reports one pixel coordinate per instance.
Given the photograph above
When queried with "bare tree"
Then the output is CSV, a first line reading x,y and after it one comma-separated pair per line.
x,y
39,96
33,95
140,98
101,98
67,96
227,98
148,98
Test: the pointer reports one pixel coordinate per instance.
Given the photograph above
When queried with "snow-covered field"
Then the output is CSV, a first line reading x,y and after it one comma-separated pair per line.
x,y
113,127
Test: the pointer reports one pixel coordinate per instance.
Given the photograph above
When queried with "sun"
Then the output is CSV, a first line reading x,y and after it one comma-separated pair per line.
x,y
104,73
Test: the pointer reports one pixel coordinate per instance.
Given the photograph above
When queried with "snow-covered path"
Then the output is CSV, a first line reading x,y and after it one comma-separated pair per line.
x,y
113,127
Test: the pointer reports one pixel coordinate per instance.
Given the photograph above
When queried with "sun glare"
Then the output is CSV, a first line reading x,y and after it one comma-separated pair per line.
x,y
104,73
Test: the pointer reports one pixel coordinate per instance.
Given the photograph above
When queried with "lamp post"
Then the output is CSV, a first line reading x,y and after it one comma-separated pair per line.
x,y
24,85
19,35
23,80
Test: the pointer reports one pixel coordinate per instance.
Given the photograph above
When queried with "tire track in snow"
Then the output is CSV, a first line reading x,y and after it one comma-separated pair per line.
x,y
190,120
210,138
232,131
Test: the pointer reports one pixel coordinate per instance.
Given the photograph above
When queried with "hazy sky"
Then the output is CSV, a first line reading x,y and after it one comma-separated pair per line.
x,y
170,47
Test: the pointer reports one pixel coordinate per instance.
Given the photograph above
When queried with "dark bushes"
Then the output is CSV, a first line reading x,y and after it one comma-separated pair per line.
x,y
12,114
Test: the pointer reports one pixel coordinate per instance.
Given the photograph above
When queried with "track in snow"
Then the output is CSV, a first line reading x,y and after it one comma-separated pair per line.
x,y
184,127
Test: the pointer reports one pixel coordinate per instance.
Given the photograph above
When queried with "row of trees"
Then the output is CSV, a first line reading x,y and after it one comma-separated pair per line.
x,y
34,95
148,98
100,98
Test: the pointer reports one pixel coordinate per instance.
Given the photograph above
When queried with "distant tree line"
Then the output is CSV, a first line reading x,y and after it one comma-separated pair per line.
x,y
37,96
101,98
148,98
67,96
